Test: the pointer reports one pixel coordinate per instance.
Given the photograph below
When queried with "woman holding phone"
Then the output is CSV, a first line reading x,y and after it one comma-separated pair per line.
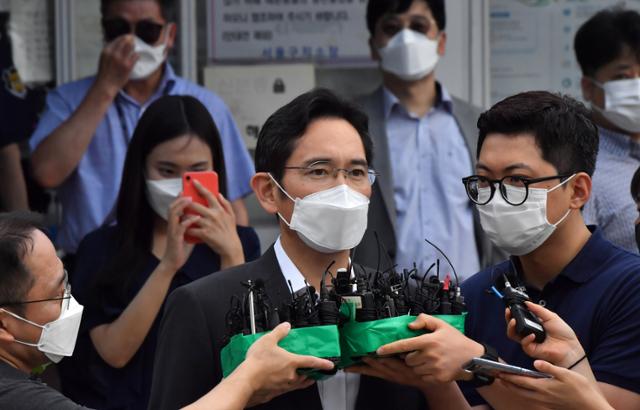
x,y
124,272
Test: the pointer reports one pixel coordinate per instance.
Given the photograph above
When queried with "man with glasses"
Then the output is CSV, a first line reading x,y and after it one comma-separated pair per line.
x,y
80,143
424,140
313,174
536,155
39,321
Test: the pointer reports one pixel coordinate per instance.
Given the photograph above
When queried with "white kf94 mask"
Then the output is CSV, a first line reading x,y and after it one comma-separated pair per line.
x,y
149,58
409,55
58,338
161,193
331,220
621,103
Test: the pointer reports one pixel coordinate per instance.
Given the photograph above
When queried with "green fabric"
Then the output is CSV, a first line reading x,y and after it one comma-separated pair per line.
x,y
363,338
318,341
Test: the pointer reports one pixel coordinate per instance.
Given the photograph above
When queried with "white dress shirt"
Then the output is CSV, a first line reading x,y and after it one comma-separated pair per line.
x,y
340,391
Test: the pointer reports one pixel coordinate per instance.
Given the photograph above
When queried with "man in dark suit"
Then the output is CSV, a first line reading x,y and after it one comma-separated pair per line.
x,y
312,167
425,141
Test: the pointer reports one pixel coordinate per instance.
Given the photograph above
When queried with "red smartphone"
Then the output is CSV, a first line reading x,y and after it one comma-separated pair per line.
x,y
209,180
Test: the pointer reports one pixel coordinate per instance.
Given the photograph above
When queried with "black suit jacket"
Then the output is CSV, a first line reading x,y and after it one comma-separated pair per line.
x,y
187,363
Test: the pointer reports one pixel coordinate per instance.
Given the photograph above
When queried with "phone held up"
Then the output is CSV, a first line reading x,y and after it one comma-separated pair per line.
x,y
209,180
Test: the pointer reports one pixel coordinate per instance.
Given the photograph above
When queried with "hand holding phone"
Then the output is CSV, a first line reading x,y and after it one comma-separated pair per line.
x,y
209,180
490,368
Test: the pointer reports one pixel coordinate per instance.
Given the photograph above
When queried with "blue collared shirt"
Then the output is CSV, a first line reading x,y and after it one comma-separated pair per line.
x,y
89,194
597,294
611,206
429,157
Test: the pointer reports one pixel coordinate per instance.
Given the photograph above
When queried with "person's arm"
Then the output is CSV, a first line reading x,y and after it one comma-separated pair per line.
x,y
268,371
117,342
562,348
566,390
55,158
13,195
443,396
440,355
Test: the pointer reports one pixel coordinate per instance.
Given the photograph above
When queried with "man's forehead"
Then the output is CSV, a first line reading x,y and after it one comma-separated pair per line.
x,y
134,10
510,151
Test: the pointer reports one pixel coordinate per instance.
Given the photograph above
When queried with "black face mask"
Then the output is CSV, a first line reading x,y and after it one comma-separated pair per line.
x,y
638,235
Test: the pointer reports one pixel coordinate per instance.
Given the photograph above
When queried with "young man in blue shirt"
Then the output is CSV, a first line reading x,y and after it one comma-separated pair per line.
x,y
607,48
424,139
536,155
80,143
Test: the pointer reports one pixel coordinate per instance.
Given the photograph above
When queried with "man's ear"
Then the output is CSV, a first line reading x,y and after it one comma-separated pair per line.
x,y
266,191
587,85
172,30
581,185
5,334
442,43
375,56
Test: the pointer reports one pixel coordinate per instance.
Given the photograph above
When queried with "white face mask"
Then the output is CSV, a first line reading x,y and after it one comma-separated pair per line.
x,y
149,58
58,338
331,220
161,193
521,229
409,55
621,103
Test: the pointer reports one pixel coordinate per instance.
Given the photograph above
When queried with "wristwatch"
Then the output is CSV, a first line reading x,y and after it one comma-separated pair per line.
x,y
481,380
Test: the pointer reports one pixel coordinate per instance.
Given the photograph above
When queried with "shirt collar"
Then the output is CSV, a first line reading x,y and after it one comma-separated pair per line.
x,y
289,270
443,100
618,144
588,263
167,83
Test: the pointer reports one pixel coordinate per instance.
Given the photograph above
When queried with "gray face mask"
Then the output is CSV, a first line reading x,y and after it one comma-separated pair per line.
x,y
58,338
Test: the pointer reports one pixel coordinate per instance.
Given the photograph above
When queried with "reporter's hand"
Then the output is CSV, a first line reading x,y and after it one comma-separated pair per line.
x,y
272,371
177,251
391,369
217,227
116,62
439,355
566,390
561,346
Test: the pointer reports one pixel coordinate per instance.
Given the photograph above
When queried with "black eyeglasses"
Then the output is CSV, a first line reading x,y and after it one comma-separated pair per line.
x,y
147,30
66,296
514,189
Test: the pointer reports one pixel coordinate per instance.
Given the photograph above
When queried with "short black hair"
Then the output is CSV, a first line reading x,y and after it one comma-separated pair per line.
x,y
635,186
601,39
378,8
167,7
561,127
278,136
16,242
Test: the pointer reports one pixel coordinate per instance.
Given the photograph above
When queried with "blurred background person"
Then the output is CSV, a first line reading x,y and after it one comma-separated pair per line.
x,y
81,140
425,142
607,47
125,272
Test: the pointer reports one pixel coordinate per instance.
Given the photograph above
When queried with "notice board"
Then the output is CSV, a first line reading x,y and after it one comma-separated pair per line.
x,y
288,30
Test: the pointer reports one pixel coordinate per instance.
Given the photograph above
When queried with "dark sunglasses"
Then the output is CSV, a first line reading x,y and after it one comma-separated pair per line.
x,y
147,30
